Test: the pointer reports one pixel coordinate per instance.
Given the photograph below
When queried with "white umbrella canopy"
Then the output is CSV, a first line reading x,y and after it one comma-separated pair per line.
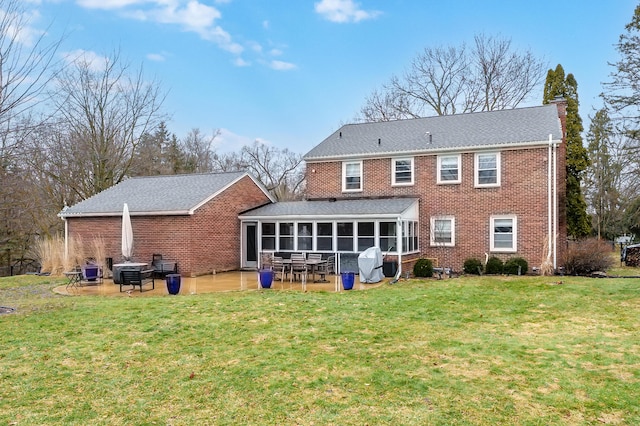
x,y
127,234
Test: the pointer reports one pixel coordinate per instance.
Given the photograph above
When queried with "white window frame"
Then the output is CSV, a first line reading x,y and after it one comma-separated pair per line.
x,y
439,178
394,164
344,176
514,233
432,234
476,173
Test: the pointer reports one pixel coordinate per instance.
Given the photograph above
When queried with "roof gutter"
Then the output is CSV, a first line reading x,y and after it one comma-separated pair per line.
x,y
469,148
119,214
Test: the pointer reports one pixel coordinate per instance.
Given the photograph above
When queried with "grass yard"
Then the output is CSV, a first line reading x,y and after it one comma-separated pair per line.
x,y
463,351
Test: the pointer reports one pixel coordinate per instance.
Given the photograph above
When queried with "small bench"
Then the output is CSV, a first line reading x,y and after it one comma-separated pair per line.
x,y
137,278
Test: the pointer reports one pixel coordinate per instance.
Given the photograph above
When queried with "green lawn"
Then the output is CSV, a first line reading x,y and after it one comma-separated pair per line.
x,y
470,350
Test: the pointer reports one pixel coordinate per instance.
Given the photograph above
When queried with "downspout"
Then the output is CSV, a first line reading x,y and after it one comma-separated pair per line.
x,y
398,250
555,206
66,240
549,200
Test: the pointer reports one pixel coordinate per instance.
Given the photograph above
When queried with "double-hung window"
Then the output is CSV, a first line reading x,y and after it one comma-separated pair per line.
x,y
487,171
402,171
449,169
504,233
443,232
352,176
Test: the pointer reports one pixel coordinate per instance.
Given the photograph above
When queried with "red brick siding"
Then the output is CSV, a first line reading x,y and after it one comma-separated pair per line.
x,y
523,192
205,241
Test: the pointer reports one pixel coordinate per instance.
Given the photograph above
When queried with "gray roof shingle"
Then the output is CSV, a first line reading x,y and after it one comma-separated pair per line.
x,y
448,132
319,208
175,194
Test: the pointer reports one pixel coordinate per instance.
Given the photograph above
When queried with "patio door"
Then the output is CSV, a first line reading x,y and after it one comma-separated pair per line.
x,y
250,245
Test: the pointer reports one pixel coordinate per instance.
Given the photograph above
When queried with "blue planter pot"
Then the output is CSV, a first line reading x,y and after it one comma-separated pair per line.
x,y
347,280
266,278
173,283
91,272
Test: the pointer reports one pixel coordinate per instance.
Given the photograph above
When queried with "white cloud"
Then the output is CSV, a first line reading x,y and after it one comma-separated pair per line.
x,y
108,4
239,62
156,57
281,65
265,24
342,11
227,141
191,16
275,52
93,60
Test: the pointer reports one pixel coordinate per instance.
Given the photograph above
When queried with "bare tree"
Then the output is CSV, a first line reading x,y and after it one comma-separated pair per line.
x,y
103,109
280,171
27,64
450,80
198,150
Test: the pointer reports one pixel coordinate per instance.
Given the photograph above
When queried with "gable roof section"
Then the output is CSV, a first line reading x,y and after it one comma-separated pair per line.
x,y
158,195
318,209
488,130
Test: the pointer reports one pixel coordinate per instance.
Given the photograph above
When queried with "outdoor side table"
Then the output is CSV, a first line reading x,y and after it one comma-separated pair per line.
x,y
73,278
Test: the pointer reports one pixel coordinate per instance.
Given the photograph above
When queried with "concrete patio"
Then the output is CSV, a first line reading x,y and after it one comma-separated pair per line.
x,y
225,281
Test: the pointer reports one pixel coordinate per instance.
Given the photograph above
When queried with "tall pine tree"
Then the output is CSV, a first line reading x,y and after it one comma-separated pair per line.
x,y
557,85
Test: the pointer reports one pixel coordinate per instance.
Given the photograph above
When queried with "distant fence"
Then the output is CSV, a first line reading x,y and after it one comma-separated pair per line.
x,y
20,267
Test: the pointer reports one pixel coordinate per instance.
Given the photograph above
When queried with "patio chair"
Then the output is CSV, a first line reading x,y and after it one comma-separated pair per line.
x,y
279,267
298,268
162,267
266,260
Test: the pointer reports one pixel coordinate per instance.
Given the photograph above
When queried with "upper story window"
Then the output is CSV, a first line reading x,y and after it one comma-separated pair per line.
x,y
443,231
449,169
487,169
402,171
352,176
503,233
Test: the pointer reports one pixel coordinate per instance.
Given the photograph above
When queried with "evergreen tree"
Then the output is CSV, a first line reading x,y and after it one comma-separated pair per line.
x,y
622,94
603,178
577,161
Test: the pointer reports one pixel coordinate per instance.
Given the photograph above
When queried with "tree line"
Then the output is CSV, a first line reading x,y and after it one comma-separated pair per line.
x,y
71,127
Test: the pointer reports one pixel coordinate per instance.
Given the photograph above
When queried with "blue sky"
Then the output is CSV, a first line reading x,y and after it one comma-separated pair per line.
x,y
290,72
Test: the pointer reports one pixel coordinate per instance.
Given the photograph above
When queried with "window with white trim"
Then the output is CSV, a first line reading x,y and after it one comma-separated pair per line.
x,y
305,236
366,235
443,231
388,237
345,236
268,236
285,236
324,240
449,168
504,233
487,171
402,171
352,176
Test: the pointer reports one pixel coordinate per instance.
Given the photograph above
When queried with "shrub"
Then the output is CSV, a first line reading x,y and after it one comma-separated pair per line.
x,y
472,266
511,266
423,268
494,266
587,256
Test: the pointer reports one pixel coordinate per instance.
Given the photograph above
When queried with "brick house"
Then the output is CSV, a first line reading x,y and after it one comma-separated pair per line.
x,y
446,187
192,219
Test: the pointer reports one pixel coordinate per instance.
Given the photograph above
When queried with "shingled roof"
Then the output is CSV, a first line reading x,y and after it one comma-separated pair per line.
x,y
493,129
315,209
157,195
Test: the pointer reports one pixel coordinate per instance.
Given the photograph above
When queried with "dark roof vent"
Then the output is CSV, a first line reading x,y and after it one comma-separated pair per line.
x,y
429,136
378,141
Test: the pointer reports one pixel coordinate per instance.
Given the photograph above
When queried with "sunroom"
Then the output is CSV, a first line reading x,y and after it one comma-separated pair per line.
x,y
341,228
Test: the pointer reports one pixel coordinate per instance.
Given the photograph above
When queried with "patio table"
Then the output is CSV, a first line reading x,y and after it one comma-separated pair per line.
x,y
73,278
313,264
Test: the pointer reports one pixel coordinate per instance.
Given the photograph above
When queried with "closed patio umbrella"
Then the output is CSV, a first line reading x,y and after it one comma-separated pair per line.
x,y
127,234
